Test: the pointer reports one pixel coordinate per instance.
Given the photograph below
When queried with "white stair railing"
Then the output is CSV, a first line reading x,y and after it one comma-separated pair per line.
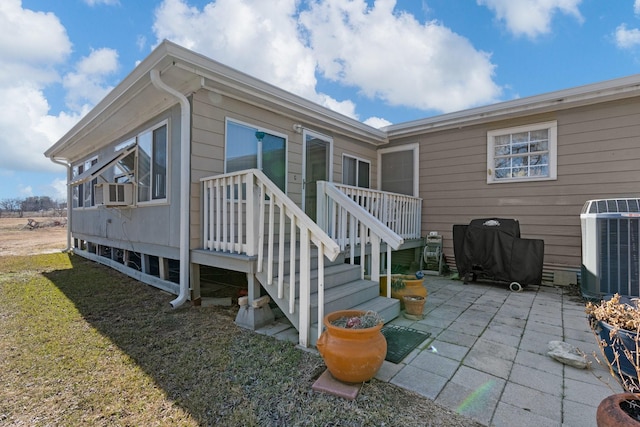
x,y
399,212
241,211
352,225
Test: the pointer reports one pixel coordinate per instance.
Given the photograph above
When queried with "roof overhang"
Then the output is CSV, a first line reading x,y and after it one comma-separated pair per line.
x,y
610,90
135,100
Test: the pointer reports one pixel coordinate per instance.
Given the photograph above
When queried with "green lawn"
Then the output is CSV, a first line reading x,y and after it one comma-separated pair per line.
x,y
81,344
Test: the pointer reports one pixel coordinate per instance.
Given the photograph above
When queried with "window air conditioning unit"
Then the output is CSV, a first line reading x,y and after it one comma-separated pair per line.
x,y
114,194
610,248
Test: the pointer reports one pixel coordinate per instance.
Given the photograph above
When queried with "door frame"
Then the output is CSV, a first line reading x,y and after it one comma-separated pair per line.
x,y
309,133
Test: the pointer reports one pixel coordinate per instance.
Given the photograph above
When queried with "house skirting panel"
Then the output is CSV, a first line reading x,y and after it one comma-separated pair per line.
x,y
154,281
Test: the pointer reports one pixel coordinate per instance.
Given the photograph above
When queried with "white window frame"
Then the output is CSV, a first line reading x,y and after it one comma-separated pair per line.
x,y
358,160
133,177
416,163
552,127
259,146
84,165
167,184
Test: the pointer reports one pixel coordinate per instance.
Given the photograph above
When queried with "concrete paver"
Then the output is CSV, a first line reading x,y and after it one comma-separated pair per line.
x,y
486,357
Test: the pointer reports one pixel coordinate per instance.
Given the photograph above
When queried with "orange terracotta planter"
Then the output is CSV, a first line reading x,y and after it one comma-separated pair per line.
x,y
412,286
414,304
351,355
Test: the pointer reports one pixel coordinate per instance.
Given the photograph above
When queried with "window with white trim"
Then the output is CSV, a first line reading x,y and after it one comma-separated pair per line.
x,y
124,170
82,194
141,160
355,171
398,169
152,164
522,153
250,147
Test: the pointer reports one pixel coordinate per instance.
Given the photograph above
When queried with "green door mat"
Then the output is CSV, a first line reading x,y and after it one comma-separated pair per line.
x,y
401,340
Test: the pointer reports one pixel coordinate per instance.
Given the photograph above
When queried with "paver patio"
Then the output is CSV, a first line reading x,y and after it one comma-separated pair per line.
x,y
486,356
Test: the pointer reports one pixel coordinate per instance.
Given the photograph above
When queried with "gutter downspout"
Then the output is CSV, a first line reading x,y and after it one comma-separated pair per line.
x,y
185,176
69,176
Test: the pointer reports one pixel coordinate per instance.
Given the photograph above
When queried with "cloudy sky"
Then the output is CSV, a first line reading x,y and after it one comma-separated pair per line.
x,y
381,62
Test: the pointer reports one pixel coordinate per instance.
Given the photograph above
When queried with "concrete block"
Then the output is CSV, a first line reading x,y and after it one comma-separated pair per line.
x,y
565,278
328,384
254,318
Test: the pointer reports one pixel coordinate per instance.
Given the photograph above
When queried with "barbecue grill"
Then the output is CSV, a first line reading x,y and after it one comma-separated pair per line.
x,y
491,249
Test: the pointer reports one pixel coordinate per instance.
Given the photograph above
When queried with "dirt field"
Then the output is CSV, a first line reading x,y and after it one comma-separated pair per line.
x,y
17,238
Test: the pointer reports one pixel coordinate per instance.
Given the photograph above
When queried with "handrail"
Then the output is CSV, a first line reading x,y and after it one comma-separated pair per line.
x,y
399,212
349,223
236,207
361,214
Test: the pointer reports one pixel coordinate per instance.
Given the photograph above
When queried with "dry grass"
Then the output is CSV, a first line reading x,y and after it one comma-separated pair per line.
x,y
81,344
16,238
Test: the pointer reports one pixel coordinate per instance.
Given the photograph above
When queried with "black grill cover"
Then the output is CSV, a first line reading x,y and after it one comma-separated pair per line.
x,y
492,248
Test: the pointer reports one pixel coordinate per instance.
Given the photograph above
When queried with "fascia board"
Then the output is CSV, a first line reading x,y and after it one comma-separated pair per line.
x,y
554,101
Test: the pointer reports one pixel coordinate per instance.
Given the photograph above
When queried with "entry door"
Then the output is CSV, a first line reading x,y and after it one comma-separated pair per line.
x,y
316,167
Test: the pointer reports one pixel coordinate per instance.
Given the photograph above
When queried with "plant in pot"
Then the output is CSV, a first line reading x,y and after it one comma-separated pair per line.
x,y
407,284
352,346
414,306
616,324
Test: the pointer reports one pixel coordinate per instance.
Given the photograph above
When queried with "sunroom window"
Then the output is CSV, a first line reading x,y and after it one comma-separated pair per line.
x,y
250,147
152,164
124,169
523,153
83,193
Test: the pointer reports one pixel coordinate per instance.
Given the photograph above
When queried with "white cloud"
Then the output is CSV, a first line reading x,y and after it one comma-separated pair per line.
x,y
391,56
627,38
257,37
28,129
25,191
636,7
105,2
32,45
531,18
377,122
383,53
57,189
87,85
141,42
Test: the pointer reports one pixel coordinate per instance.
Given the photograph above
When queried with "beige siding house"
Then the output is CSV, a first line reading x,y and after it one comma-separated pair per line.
x,y
189,165
597,156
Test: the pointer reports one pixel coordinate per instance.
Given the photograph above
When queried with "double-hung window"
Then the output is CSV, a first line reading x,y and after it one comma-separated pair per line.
x,y
250,147
152,164
523,153
355,171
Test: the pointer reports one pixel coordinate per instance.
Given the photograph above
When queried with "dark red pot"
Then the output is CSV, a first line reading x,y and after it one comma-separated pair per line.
x,y
611,414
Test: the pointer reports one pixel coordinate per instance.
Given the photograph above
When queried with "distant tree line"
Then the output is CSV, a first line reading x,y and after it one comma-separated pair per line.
x,y
40,205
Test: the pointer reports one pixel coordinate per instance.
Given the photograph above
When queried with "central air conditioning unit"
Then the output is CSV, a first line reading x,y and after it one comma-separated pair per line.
x,y
114,194
610,248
